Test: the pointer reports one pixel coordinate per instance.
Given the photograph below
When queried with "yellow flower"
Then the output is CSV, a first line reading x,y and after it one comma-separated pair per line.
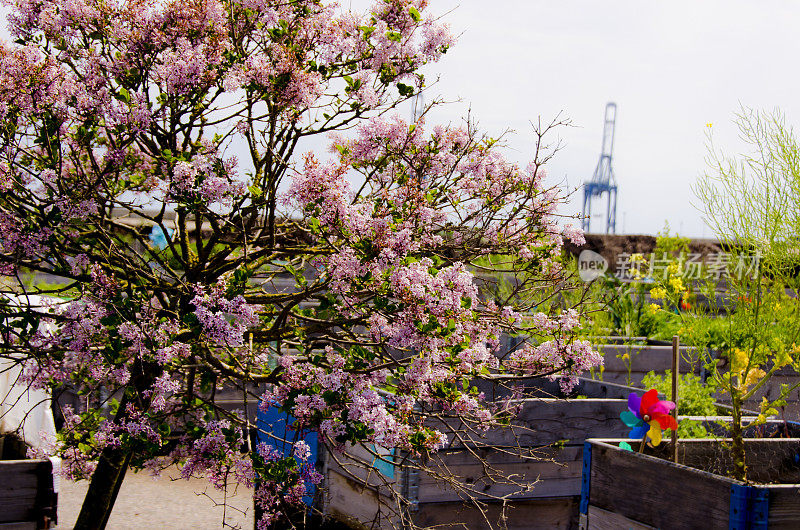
x,y
676,284
626,357
654,308
674,267
709,124
739,361
657,293
637,258
782,358
753,376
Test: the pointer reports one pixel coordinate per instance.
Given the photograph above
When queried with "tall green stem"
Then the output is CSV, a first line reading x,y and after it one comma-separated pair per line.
x,y
737,439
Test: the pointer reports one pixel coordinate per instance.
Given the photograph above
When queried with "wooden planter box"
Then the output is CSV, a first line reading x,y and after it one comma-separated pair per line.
x,y
27,500
625,489
354,494
554,472
644,358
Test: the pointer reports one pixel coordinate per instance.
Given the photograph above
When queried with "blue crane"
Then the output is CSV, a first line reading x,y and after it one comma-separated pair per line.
x,y
603,180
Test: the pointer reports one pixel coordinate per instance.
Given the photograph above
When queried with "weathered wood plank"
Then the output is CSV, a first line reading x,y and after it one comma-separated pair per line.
x,y
15,493
544,514
519,479
770,460
635,486
600,519
543,421
784,507
20,467
545,388
630,484
25,525
462,456
25,490
645,359
557,471
351,464
352,502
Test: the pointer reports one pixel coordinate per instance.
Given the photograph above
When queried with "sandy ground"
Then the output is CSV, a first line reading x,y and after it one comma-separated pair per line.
x,y
145,503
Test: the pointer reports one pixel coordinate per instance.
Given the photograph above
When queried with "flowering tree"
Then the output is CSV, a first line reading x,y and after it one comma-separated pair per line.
x,y
344,282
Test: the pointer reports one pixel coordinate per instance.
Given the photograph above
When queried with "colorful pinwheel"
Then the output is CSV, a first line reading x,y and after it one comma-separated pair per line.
x,y
648,415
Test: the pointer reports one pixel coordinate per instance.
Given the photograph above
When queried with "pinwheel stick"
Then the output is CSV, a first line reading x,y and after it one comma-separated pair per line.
x,y
676,361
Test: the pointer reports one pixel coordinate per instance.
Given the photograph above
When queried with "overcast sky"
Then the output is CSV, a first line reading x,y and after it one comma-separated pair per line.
x,y
671,67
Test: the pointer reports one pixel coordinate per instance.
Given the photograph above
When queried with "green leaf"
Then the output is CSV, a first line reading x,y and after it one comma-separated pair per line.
x,y
367,31
405,90
394,36
414,14
124,95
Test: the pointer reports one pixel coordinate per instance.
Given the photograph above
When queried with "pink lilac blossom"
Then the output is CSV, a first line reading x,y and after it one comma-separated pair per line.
x,y
216,455
302,475
207,177
224,322
575,235
558,359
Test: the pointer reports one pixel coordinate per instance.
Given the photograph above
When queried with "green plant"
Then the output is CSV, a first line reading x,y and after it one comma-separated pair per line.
x,y
632,349
752,201
674,245
630,314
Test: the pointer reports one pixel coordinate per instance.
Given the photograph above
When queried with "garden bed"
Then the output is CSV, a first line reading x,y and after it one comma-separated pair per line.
x,y
543,449
628,489
27,498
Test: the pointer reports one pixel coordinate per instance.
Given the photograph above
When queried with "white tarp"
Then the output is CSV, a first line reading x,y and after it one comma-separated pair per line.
x,y
25,410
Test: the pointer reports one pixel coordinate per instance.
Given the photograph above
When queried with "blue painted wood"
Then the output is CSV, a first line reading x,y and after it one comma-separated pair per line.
x,y
384,464
275,429
586,477
749,508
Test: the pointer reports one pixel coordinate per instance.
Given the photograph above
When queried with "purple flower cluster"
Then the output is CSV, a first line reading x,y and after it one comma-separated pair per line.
x,y
224,322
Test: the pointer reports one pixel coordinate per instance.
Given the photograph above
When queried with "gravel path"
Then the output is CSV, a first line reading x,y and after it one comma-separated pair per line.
x,y
145,503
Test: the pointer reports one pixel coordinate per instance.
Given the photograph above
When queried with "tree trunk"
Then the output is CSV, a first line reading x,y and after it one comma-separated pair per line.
x,y
103,489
